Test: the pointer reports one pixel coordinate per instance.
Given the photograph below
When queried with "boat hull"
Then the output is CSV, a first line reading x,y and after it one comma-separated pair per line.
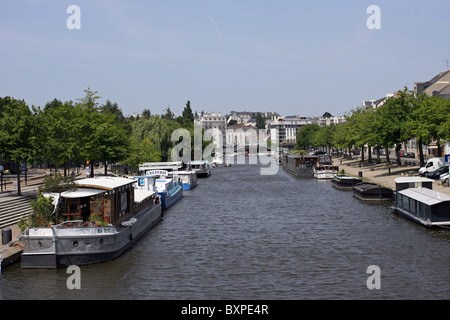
x,y
372,192
191,184
64,246
169,198
299,166
426,220
344,182
423,205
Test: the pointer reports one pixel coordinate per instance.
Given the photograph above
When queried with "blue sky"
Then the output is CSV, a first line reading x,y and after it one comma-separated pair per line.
x,y
289,56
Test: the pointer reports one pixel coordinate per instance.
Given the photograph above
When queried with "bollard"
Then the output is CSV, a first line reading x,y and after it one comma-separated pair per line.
x,y
6,236
360,174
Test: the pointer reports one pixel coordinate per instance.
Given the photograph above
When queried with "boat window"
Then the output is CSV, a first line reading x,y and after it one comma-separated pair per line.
x,y
405,202
412,205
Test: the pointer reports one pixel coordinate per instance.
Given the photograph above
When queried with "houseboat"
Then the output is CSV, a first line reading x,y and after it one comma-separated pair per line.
x,y
122,214
217,161
416,200
368,191
168,187
176,170
325,171
344,182
300,166
187,178
201,167
167,166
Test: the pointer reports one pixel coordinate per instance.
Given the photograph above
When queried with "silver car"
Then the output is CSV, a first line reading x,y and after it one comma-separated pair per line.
x,y
444,178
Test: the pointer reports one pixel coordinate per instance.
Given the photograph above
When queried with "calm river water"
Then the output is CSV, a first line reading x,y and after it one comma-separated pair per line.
x,y
242,235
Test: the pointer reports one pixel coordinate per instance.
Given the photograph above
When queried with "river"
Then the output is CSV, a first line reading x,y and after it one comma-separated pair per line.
x,y
243,235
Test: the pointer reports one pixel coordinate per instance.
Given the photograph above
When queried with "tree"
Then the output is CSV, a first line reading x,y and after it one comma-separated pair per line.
x,y
146,113
110,140
104,134
169,115
59,134
16,129
393,115
324,137
305,135
141,151
260,121
343,137
187,112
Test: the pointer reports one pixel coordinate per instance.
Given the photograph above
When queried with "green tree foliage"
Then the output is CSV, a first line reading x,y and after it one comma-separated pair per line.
x,y
141,151
59,135
305,136
187,112
260,121
16,133
104,133
324,136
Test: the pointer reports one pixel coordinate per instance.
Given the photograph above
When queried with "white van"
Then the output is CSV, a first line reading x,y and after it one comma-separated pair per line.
x,y
432,165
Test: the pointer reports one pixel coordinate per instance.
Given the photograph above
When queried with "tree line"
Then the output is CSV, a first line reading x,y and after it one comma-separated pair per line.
x,y
399,119
62,134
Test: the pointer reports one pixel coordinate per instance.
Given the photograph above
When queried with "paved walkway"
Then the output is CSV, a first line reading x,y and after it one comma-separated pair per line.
x,y
380,174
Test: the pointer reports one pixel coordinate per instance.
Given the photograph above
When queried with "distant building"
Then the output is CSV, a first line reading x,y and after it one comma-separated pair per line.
x,y
438,86
240,135
373,104
284,130
246,116
324,121
213,121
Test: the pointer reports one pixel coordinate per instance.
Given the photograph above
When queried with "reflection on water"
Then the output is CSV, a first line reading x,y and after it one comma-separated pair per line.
x,y
242,235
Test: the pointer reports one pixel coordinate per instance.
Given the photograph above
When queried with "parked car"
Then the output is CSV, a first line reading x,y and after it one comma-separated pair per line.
x,y
437,173
444,178
411,155
432,165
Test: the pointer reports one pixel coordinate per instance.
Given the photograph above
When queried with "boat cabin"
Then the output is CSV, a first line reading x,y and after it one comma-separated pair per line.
x,y
403,183
111,198
167,166
424,205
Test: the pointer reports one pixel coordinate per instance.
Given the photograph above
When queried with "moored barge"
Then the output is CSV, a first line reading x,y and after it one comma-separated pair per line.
x,y
368,191
126,213
300,166
344,182
416,200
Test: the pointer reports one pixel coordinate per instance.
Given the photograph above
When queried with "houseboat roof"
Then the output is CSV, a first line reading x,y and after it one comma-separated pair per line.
x,y
105,183
81,193
412,179
425,195
141,195
161,165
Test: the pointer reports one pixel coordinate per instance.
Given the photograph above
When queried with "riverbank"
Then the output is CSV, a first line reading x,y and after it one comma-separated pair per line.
x,y
382,173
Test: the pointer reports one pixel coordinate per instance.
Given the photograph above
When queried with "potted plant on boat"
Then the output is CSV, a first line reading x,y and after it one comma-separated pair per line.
x,y
97,220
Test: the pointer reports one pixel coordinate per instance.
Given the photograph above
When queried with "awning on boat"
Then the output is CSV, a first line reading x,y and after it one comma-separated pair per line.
x,y
81,193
